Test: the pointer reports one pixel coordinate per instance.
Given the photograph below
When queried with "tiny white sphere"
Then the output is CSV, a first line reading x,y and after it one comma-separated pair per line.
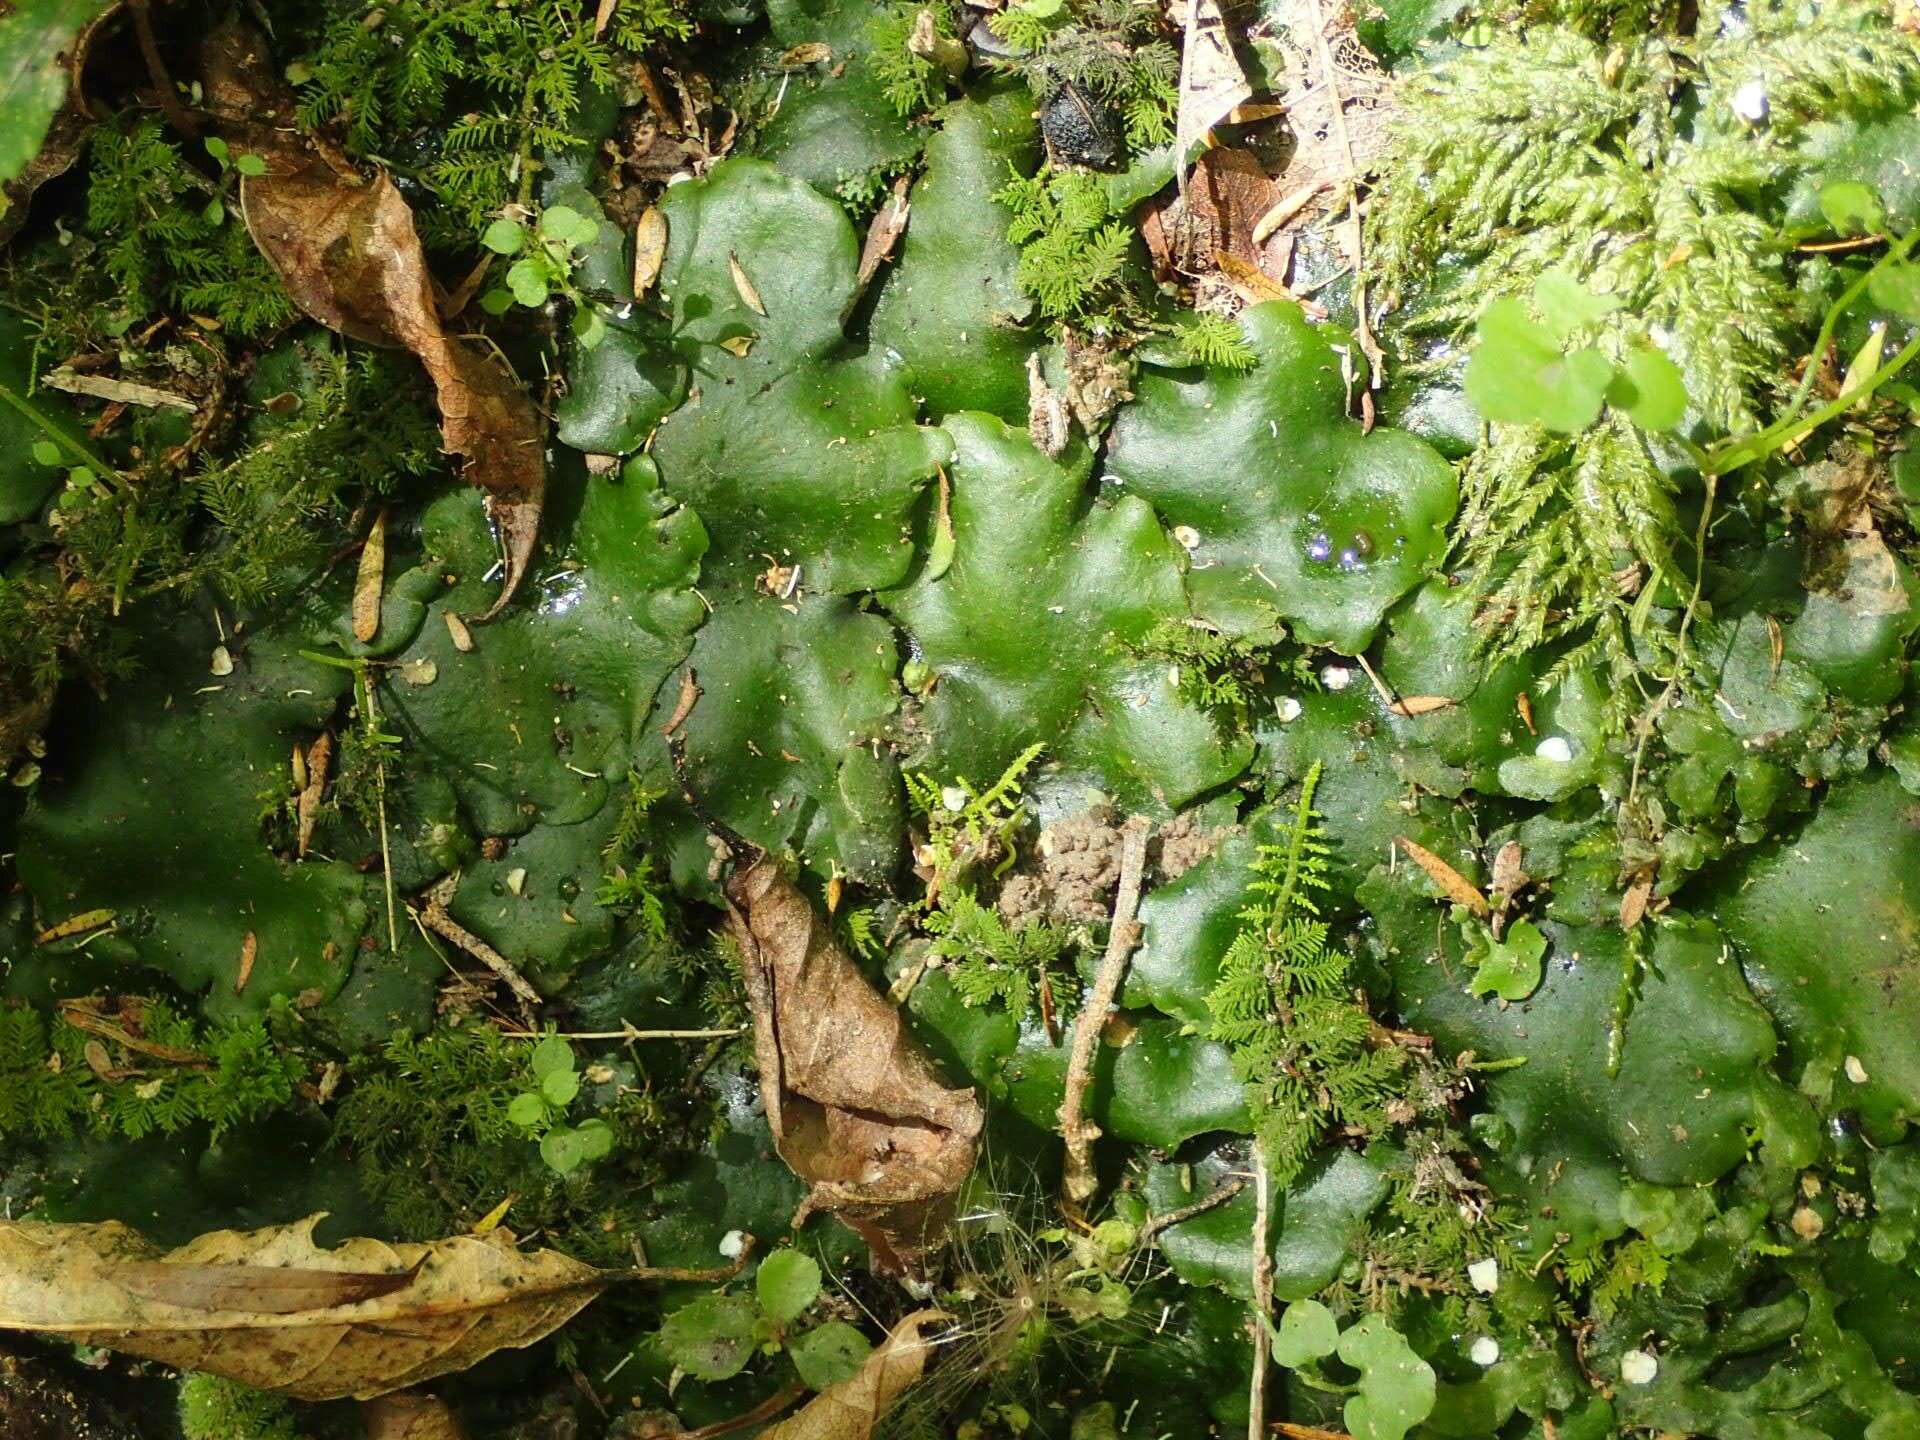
x,y
1750,102
733,1244
1856,1072
1556,748
1336,677
953,797
1484,1351
1188,537
1637,1367
1485,1275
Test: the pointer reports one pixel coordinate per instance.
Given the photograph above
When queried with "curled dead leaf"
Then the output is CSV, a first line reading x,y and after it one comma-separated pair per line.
x,y
318,761
743,284
649,249
346,251
853,1409
271,1309
1412,705
1456,886
854,1104
370,581
410,1416
249,952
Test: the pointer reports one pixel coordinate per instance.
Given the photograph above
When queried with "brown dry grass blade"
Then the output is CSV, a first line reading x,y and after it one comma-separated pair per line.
x,y
855,1107
346,251
852,1410
1458,888
234,1303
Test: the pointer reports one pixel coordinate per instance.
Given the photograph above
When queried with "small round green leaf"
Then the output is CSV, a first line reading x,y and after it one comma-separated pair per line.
x,y
215,212
788,1283
504,237
562,222
46,452
250,165
1565,305
497,301
1650,389
1511,967
829,1353
1396,1386
1851,208
1518,376
551,1056
595,1138
217,148
527,279
558,1087
711,1339
526,1110
1306,1333
1897,288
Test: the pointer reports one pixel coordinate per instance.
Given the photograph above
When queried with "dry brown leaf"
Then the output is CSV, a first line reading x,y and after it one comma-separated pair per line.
x,y
853,1102
319,761
889,223
1211,80
123,1021
853,1409
1250,282
809,52
269,1308
1412,705
1457,887
249,952
457,632
743,283
370,581
126,392
346,251
75,925
649,249
1633,904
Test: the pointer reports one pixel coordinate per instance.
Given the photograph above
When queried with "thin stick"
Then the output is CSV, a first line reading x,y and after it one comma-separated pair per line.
x,y
1079,1132
435,917
764,1411
682,1273
1222,1193
176,113
627,1034
1262,1299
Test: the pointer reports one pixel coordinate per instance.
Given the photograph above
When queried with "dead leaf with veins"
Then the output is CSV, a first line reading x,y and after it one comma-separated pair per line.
x,y
854,1104
345,248
271,1309
853,1409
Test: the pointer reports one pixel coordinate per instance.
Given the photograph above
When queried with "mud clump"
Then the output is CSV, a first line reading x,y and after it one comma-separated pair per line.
x,y
1183,843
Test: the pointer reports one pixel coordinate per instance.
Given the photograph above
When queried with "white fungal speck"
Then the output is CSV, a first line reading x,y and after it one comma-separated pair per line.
x,y
1484,1351
954,798
1287,708
1856,1072
1555,748
1188,537
733,1244
1484,1275
222,662
1637,1367
1750,102
1336,677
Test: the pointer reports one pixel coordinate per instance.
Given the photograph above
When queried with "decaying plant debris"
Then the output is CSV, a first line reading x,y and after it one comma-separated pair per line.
x,y
1193,719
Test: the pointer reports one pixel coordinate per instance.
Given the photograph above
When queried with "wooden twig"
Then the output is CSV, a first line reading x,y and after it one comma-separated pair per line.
x,y
1262,1297
693,1276
758,1415
1080,1132
433,914
1222,1193
1362,330
629,1033
176,113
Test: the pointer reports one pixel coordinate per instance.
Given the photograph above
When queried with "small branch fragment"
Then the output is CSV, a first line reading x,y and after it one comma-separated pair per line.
x,y
678,1274
1222,1193
370,581
249,952
1079,1132
683,707
1262,1297
433,914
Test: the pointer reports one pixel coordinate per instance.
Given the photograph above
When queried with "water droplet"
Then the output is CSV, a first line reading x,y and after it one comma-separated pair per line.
x,y
1320,547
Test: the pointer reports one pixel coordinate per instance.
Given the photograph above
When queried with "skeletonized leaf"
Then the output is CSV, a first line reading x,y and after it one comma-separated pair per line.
x,y
742,282
346,251
853,1102
853,1409
271,1309
1457,887
1211,80
649,249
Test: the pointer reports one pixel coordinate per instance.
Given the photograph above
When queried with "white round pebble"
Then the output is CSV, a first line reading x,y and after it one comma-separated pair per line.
x,y
1485,1275
1856,1072
954,798
1637,1367
1288,709
1336,677
1555,748
733,1244
1485,1350
1750,102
